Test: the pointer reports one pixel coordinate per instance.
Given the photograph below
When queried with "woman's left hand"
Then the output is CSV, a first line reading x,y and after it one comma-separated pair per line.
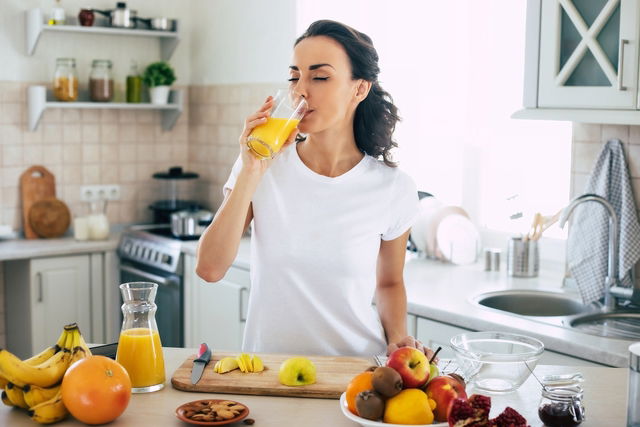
x,y
410,341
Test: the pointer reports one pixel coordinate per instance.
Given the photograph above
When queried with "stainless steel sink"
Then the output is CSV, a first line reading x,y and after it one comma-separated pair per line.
x,y
532,303
619,324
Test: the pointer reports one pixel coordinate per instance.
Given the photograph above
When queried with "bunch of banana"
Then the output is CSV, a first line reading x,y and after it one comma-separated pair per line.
x,y
35,383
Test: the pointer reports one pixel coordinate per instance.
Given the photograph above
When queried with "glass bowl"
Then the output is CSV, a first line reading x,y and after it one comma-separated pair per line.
x,y
496,362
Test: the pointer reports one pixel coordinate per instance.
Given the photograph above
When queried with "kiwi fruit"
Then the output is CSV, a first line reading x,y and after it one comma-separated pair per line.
x,y
386,381
370,405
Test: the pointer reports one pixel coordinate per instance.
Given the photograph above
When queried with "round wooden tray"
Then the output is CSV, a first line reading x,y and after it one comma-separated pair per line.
x,y
49,217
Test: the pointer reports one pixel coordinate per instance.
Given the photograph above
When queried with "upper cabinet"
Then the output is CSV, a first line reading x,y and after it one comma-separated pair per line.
x,y
581,61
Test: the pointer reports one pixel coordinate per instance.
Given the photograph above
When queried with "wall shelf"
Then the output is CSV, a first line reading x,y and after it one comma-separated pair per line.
x,y
35,26
39,99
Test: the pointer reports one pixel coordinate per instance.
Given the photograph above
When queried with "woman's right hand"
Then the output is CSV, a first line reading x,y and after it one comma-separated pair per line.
x,y
250,162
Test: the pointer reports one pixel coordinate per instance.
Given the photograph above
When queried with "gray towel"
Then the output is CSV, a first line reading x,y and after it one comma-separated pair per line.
x,y
589,232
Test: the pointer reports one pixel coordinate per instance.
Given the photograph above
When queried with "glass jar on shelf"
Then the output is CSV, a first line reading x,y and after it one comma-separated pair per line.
x,y
101,81
65,80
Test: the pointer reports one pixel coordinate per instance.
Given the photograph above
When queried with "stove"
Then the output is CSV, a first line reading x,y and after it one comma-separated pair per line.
x,y
150,253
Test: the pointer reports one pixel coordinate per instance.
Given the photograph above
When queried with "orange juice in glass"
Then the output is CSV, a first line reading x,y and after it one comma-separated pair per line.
x,y
139,347
267,139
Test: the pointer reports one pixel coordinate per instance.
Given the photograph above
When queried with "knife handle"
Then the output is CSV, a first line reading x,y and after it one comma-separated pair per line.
x,y
204,354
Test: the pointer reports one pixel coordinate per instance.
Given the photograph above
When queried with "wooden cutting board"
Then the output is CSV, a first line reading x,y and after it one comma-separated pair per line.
x,y
333,375
36,183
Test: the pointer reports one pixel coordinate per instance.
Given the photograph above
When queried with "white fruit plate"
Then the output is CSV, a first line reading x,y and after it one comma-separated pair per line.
x,y
368,423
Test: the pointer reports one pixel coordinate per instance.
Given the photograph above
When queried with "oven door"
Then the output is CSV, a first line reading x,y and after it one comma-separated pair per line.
x,y
169,299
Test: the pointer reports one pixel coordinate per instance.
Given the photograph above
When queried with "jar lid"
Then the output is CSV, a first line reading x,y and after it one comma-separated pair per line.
x,y
73,60
565,394
175,172
106,62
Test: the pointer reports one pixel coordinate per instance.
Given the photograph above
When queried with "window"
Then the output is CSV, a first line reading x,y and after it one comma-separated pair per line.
x,y
455,70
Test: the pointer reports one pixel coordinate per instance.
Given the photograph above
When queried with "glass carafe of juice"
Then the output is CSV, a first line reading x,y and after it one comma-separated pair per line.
x,y
139,348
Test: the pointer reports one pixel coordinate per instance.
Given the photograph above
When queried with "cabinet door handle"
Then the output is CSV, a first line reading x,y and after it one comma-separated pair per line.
x,y
243,318
39,276
623,42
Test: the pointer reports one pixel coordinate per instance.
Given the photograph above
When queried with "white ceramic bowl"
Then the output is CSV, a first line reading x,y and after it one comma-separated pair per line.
x,y
496,362
368,423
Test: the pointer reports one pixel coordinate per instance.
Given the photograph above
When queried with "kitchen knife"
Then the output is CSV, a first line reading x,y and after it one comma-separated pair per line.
x,y
204,355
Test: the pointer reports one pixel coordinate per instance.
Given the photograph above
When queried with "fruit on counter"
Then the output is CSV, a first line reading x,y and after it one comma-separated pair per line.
x,y
297,371
410,406
96,390
412,365
16,396
475,412
35,383
44,369
226,364
433,371
34,394
444,389
386,381
370,405
361,382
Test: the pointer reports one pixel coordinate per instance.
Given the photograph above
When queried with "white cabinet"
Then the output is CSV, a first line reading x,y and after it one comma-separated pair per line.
x,y
581,61
437,334
216,312
44,294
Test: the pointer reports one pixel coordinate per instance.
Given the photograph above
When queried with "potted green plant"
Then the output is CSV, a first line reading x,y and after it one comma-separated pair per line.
x,y
158,77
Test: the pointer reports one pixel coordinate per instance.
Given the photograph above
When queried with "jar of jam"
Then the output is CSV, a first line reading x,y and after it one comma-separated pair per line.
x,y
561,406
65,80
101,81
86,17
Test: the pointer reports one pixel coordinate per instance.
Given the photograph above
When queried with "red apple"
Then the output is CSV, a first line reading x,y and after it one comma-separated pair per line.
x,y
411,364
444,390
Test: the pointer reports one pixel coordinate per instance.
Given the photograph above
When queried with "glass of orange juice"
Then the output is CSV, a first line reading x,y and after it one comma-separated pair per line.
x,y
267,139
139,347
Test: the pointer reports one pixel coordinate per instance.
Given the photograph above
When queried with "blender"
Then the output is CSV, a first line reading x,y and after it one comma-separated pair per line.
x,y
178,189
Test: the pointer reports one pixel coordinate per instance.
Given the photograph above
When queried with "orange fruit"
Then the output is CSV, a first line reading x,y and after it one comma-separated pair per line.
x,y
96,390
410,406
360,382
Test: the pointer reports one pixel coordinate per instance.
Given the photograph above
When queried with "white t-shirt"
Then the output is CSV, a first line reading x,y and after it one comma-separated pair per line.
x,y
314,249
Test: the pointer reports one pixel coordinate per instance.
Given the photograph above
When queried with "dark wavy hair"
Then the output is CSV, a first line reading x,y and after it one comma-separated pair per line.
x,y
376,116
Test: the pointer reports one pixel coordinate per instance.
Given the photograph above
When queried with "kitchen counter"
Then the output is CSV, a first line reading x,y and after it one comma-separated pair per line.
x,y
445,292
605,400
66,245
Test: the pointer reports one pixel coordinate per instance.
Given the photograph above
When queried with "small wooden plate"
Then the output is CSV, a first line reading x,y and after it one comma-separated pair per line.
x,y
180,410
49,217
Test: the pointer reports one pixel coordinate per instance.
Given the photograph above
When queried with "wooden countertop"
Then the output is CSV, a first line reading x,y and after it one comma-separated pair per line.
x,y
605,402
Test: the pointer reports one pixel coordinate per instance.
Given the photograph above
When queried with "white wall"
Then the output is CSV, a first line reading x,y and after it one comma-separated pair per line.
x,y
15,65
248,41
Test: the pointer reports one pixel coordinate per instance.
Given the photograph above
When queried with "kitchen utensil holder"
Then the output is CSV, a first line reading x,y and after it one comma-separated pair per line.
x,y
523,257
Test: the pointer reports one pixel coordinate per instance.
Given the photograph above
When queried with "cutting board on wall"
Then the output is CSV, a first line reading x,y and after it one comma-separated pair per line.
x,y
333,375
36,183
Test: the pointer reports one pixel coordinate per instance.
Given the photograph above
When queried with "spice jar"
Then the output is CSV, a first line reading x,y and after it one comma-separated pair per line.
x,y
86,17
65,80
101,81
561,406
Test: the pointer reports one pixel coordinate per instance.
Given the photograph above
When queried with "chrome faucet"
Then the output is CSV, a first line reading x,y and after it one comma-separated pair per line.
x,y
612,289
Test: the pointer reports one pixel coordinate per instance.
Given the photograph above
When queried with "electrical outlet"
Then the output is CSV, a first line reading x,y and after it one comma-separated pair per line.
x,y
90,193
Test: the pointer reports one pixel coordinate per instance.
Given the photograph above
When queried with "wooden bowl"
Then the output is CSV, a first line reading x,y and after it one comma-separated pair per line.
x,y
180,413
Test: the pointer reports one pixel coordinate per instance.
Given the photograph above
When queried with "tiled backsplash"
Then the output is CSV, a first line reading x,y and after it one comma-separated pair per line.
x,y
82,147
588,141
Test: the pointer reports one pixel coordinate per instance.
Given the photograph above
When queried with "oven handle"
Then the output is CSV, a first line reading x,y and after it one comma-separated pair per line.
x,y
159,279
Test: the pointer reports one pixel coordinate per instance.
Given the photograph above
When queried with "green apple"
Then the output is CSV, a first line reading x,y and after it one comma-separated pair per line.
x,y
297,371
433,371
